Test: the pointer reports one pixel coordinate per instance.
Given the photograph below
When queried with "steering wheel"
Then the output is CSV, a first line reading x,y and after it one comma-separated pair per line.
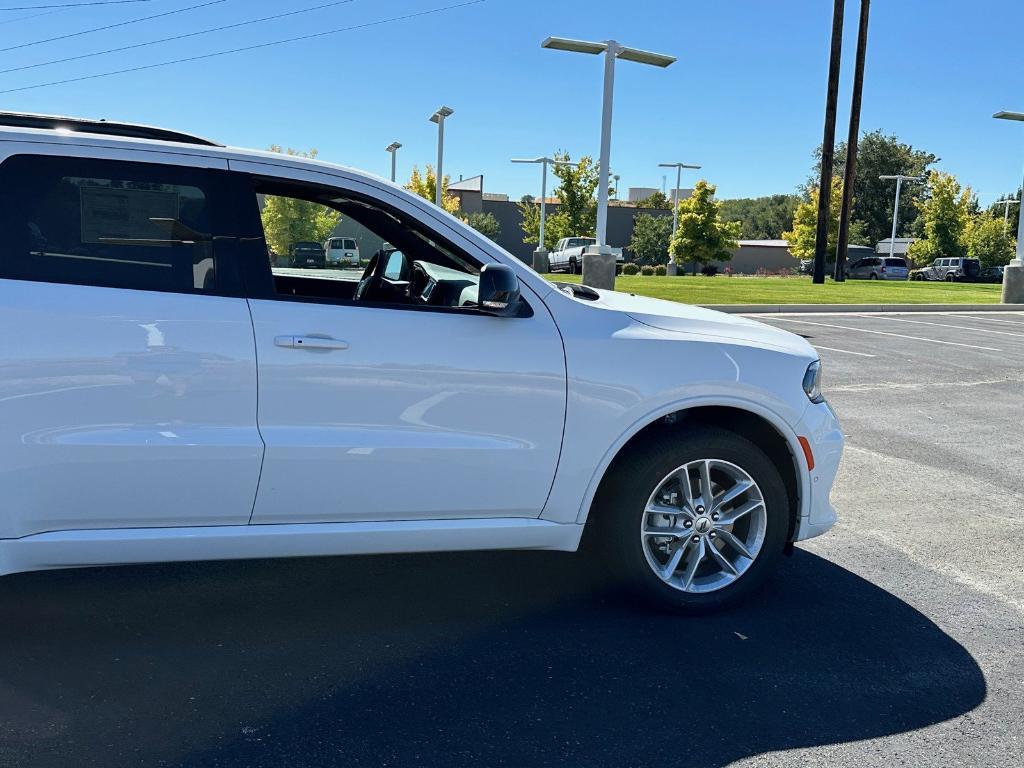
x,y
371,278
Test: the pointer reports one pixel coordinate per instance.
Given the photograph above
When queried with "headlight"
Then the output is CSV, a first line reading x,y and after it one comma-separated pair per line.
x,y
812,382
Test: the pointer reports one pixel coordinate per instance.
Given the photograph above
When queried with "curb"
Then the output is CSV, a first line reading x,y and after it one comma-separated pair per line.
x,y
751,309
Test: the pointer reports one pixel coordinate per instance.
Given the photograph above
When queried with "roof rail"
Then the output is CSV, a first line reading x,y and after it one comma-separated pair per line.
x,y
102,127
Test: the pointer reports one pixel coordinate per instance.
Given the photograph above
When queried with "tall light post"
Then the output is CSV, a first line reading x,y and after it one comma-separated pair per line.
x,y
616,177
675,195
1006,209
393,148
540,255
900,178
438,117
604,263
1013,273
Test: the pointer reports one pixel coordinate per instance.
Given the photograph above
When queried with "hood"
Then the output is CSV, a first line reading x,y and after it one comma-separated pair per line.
x,y
698,321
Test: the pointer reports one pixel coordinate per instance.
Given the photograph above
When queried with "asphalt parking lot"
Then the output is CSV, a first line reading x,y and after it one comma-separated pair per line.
x,y
897,639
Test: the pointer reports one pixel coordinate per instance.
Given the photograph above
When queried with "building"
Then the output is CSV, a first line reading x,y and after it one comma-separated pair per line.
x,y
899,248
636,194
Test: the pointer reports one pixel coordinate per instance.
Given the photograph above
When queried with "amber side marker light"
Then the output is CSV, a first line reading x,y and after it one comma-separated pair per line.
x,y
807,451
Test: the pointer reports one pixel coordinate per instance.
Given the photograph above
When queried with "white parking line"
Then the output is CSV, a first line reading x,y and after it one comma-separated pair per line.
x,y
886,333
844,351
1019,324
946,325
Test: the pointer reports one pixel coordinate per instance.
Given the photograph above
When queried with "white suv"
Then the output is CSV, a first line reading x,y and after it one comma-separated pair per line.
x,y
166,394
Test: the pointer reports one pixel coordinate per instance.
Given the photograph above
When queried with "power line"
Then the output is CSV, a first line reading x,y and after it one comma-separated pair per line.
x,y
111,26
72,5
245,48
177,37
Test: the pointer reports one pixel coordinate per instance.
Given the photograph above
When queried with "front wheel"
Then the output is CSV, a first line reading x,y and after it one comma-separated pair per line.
x,y
695,522
950,277
572,266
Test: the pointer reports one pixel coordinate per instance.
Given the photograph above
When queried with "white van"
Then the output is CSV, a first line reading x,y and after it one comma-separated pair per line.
x,y
341,251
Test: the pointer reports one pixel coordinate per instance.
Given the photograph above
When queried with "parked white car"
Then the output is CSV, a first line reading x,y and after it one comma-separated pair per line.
x,y
568,254
167,395
342,251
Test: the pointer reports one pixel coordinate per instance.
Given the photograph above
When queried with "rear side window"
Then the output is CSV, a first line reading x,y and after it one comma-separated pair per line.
x,y
350,245
895,263
110,223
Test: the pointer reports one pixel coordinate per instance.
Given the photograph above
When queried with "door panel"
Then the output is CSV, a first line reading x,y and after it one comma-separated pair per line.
x,y
412,414
123,408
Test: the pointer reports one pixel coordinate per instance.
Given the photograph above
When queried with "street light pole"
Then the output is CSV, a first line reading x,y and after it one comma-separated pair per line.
x,y
438,117
540,255
1013,273
675,195
393,148
616,177
900,178
604,263
1006,209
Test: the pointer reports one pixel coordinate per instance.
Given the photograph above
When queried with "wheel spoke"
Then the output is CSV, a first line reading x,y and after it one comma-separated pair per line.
x,y
730,517
683,475
741,486
691,567
672,533
735,543
663,509
722,560
673,562
705,483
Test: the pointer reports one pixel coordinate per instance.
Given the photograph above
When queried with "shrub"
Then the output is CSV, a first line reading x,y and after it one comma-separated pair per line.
x,y
647,270
630,269
709,270
660,270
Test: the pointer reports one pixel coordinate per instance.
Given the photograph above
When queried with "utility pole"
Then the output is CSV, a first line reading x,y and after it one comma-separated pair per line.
x,y
828,143
852,140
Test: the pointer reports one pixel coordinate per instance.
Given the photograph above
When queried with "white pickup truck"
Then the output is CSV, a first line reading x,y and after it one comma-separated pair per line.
x,y
568,254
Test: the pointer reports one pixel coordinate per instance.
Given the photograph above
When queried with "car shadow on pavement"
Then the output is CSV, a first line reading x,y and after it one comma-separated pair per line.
x,y
471,659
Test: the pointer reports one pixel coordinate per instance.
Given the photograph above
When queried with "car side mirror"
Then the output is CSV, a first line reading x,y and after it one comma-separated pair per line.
x,y
498,290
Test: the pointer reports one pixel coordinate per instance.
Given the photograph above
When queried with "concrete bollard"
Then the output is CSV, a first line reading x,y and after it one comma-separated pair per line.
x,y
541,263
599,267
1013,282
672,269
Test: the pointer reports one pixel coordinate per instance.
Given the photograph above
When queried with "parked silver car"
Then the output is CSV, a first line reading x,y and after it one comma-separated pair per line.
x,y
878,268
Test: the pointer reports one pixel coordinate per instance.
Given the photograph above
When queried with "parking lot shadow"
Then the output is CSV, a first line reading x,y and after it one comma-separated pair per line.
x,y
453,660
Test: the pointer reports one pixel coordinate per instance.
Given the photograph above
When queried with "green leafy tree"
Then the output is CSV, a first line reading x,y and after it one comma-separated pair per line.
x,y
762,218
425,185
288,220
990,241
650,240
702,236
576,214
486,224
946,213
802,236
656,200
880,154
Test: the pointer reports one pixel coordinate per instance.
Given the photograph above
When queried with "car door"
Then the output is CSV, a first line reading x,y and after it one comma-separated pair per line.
x,y
127,368
854,269
396,412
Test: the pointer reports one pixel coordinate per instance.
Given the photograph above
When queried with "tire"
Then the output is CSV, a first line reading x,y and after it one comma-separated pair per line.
x,y
872,276
620,514
950,277
572,266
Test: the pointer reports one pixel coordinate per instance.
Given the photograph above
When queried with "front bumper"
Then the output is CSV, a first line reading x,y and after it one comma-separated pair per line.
x,y
821,428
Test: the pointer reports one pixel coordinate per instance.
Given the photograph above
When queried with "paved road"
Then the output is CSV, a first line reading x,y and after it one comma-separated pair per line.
x,y
895,640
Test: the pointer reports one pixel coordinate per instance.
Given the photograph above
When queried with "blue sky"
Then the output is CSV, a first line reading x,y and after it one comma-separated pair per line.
x,y
745,99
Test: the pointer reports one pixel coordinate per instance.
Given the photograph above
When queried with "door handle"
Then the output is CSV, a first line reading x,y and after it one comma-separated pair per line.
x,y
309,342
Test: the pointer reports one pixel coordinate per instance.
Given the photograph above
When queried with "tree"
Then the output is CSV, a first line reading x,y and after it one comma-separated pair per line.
x,y
651,235
288,220
990,241
576,214
946,213
425,185
805,224
701,236
879,154
762,218
486,224
655,200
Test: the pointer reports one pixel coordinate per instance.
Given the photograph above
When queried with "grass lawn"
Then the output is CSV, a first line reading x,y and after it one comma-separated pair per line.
x,y
798,290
